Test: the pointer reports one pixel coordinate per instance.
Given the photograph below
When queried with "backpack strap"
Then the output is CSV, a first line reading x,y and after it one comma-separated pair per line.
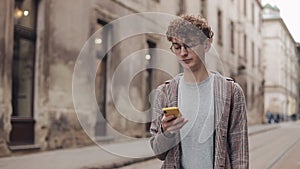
x,y
232,82
230,79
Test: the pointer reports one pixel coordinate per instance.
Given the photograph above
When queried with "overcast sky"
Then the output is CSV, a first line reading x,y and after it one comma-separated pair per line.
x,y
290,13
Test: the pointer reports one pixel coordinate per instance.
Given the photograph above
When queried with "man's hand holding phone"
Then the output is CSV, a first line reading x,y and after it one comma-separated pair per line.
x,y
172,120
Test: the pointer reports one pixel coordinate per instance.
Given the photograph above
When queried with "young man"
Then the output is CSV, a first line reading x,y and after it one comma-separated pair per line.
x,y
212,129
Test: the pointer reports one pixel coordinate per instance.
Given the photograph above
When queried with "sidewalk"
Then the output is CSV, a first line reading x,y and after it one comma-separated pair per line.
x,y
93,157
259,128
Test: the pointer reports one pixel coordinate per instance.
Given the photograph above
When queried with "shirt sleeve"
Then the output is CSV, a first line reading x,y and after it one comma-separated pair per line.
x,y
160,143
238,131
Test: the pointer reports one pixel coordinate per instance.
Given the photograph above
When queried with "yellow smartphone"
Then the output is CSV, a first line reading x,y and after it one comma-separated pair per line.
x,y
171,111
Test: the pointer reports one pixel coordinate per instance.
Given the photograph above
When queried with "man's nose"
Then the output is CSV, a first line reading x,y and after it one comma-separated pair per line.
x,y
183,51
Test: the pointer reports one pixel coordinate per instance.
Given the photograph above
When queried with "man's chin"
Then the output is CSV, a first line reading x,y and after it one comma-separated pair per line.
x,y
186,67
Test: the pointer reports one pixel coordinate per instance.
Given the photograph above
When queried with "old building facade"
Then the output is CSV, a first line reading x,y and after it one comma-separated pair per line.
x,y
281,62
40,41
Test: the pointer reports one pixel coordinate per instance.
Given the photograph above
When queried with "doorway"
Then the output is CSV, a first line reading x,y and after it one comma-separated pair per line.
x,y
102,41
23,72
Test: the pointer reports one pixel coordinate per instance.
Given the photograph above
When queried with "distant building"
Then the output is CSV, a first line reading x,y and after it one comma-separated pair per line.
x,y
238,42
281,65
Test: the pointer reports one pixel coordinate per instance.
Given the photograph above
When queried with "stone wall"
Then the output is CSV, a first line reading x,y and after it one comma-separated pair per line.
x,y
62,31
6,32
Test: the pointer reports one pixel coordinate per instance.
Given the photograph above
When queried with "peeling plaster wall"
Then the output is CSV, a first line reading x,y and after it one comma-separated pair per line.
x,y
62,32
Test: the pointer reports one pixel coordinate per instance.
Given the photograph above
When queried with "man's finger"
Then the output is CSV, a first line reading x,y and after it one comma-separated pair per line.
x,y
178,126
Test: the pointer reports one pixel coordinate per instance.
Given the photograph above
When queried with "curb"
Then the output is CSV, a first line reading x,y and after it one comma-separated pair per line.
x,y
263,130
119,164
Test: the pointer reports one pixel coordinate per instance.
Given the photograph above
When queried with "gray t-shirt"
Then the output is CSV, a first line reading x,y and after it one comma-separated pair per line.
x,y
196,103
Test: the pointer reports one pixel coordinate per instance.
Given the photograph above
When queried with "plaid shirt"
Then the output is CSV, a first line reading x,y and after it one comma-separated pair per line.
x,y
230,136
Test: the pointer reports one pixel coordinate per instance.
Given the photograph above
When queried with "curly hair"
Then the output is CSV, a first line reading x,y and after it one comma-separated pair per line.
x,y
189,26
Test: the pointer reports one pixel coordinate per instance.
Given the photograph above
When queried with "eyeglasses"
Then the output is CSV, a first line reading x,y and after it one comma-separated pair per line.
x,y
176,47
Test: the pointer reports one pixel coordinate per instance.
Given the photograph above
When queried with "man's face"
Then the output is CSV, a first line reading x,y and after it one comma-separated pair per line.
x,y
190,54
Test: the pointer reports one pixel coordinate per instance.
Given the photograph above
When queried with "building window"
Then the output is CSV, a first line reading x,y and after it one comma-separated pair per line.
x,y
220,31
101,43
253,14
259,21
232,37
101,40
23,58
259,64
245,7
203,8
23,72
252,95
253,54
150,57
182,7
245,46
151,49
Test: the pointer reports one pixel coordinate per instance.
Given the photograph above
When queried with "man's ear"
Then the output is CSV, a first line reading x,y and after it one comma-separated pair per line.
x,y
207,44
